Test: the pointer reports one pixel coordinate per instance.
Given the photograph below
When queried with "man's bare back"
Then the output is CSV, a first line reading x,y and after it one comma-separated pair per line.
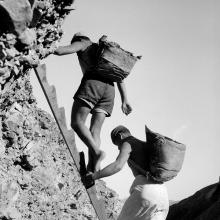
x,y
148,199
138,154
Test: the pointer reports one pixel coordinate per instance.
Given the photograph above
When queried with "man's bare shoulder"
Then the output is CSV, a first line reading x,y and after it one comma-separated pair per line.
x,y
125,147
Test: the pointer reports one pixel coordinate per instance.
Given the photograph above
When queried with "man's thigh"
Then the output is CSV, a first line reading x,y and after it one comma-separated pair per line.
x,y
80,111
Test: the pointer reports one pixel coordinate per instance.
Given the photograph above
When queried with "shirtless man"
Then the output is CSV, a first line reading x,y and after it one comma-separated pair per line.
x,y
148,199
95,95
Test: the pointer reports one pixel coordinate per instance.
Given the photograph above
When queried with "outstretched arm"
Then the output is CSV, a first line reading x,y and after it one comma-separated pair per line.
x,y
117,165
126,107
72,48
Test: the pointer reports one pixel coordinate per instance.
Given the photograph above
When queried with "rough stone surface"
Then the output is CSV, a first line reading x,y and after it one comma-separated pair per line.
x,y
35,36
16,15
203,205
38,179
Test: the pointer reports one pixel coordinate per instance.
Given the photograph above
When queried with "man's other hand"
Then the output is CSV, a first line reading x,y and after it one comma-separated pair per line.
x,y
88,180
126,108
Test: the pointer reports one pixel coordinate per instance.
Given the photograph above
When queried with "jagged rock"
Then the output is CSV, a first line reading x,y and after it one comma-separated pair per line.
x,y
2,51
11,53
27,37
37,13
4,74
21,45
15,15
35,157
203,205
113,204
32,2
41,167
10,39
30,60
9,194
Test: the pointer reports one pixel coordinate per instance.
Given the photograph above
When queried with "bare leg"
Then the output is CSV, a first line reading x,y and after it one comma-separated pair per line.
x,y
80,111
94,161
97,121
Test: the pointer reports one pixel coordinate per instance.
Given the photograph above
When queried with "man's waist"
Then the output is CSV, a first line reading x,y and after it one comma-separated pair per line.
x,y
91,74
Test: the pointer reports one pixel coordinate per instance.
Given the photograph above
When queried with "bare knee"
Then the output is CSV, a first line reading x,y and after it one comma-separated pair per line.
x,y
79,115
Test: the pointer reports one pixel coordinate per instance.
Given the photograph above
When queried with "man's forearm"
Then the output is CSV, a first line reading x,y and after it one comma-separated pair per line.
x,y
69,49
58,51
63,50
107,171
122,91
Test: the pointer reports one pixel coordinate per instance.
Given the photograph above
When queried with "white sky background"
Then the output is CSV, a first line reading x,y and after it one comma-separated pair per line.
x,y
174,88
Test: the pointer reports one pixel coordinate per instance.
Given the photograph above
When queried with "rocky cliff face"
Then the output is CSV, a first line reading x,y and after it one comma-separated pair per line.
x,y
28,33
38,178
203,205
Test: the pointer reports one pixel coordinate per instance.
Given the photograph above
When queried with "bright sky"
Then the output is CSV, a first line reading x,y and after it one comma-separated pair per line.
x,y
174,88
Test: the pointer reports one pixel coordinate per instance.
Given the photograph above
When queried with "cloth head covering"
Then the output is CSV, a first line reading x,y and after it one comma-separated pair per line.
x,y
79,35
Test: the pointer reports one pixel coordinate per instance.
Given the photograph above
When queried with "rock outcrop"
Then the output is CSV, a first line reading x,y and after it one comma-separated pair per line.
x,y
29,31
15,15
38,178
203,205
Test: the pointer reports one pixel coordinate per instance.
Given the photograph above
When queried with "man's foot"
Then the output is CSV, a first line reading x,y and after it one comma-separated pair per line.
x,y
97,160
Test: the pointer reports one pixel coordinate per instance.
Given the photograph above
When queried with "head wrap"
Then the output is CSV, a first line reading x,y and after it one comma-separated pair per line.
x,y
79,36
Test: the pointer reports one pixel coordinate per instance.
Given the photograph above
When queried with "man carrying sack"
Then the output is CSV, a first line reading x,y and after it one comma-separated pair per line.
x,y
152,163
96,92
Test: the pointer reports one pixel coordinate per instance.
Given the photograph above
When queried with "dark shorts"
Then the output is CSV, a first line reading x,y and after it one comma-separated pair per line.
x,y
99,93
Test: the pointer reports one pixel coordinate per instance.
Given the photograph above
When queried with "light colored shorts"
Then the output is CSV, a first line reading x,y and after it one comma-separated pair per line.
x,y
147,201
94,109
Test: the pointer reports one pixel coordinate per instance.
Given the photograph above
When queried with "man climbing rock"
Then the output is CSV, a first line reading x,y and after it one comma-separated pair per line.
x,y
95,95
148,198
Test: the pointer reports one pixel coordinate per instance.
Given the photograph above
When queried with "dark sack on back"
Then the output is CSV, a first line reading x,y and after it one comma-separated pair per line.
x,y
113,62
166,156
